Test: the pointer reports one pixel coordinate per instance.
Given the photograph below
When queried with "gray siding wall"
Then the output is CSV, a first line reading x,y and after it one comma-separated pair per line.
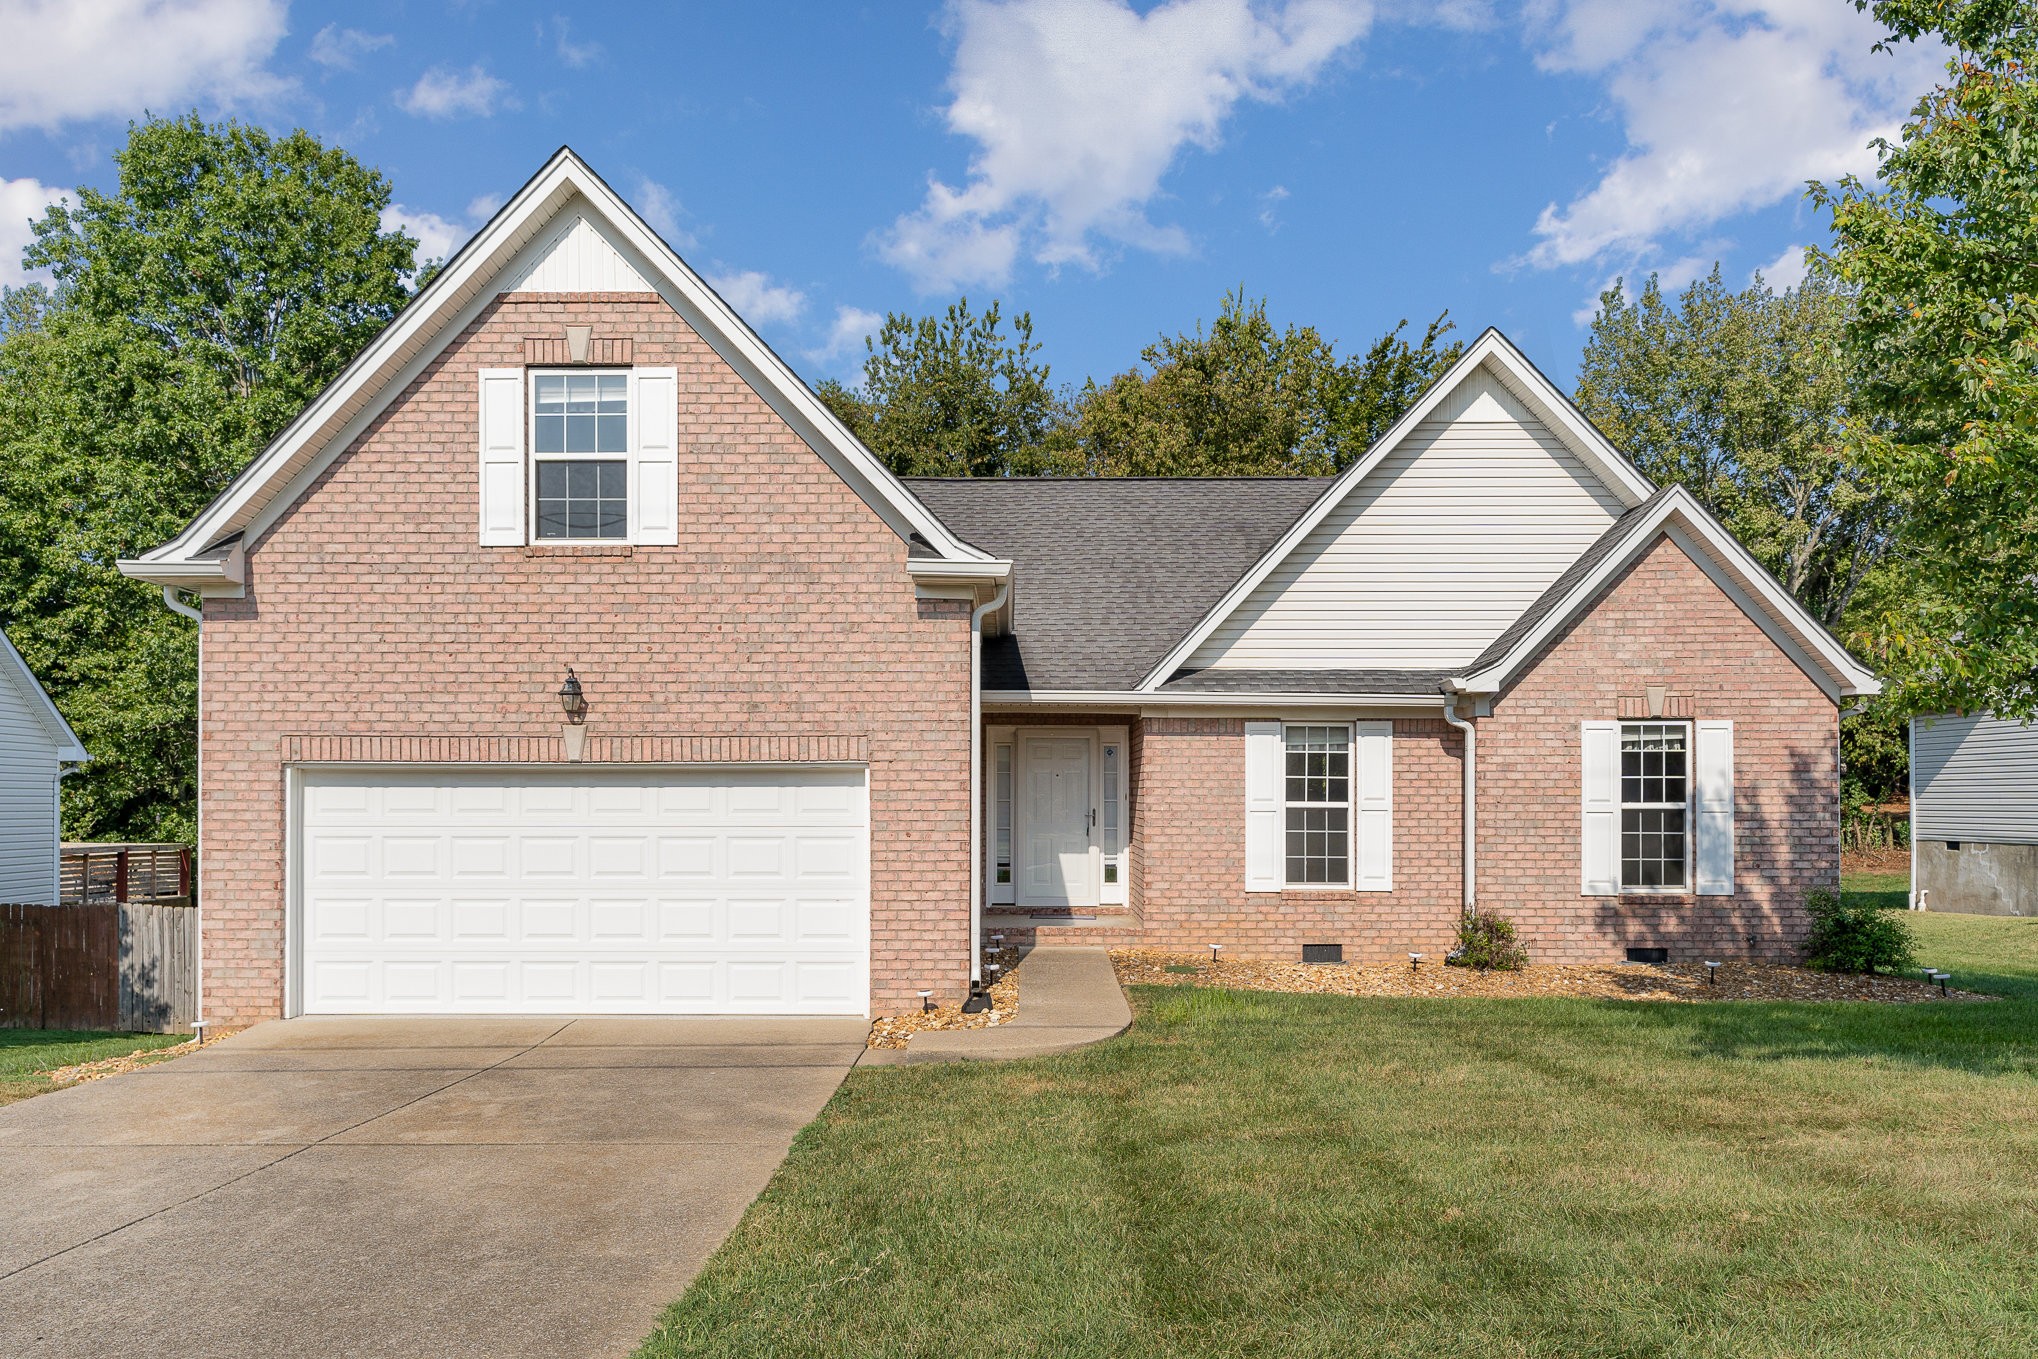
x,y
1974,778
28,818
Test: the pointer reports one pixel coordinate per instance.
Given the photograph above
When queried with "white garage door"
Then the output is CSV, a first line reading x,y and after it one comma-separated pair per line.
x,y
661,892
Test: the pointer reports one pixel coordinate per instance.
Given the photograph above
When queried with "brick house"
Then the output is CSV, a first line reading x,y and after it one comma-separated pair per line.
x,y
834,726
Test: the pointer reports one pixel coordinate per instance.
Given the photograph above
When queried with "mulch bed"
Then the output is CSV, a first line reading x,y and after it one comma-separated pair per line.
x,y
133,1061
894,1030
1876,861
1672,981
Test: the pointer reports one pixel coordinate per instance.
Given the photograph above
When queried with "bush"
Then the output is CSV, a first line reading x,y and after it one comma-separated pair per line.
x,y
1487,942
1859,938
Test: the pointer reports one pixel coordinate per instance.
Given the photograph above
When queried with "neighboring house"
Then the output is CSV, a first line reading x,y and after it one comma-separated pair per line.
x,y
36,748
1974,815
1228,712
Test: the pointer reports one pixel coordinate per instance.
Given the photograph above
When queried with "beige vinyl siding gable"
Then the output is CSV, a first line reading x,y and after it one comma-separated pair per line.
x,y
28,816
1974,778
1433,553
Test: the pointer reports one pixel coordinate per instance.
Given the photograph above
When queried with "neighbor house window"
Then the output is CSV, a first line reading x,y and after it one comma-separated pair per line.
x,y
1655,793
1319,805
580,455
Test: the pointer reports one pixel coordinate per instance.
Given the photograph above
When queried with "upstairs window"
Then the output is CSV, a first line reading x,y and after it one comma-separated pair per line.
x,y
580,456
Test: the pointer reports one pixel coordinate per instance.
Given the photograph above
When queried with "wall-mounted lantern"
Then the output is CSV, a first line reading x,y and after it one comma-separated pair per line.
x,y
573,700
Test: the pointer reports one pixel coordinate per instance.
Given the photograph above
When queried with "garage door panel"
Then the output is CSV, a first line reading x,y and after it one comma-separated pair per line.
x,y
577,911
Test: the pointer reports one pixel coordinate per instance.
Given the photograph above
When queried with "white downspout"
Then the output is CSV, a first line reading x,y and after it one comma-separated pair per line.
x,y
976,780
179,606
1471,803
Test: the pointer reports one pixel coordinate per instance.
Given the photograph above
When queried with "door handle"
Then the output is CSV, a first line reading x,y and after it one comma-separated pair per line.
x,y
1093,818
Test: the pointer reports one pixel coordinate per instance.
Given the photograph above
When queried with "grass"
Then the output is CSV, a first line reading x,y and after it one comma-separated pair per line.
x,y
1252,1174
1892,891
27,1056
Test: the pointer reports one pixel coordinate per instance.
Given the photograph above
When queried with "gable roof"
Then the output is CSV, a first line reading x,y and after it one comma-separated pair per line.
x,y
32,697
1717,552
1492,353
1109,572
498,256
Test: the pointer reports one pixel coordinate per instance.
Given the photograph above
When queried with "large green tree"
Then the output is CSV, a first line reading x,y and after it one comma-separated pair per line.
x,y
1246,398
193,311
1739,397
956,395
1942,256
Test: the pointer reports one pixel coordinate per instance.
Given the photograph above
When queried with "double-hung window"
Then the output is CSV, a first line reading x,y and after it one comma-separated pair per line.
x,y
1655,806
1318,795
580,456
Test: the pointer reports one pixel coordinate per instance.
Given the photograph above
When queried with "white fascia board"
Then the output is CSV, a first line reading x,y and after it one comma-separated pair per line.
x,y
331,421
931,569
70,750
1730,566
1519,376
1015,699
220,575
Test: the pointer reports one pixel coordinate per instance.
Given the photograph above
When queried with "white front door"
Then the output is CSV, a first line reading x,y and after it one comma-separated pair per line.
x,y
579,890
1055,822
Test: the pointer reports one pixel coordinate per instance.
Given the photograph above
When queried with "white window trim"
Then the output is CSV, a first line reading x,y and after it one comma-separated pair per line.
x,y
628,457
1621,806
1350,805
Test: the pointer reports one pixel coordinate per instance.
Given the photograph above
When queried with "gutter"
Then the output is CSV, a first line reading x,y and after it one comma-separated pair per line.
x,y
1081,698
1470,817
976,781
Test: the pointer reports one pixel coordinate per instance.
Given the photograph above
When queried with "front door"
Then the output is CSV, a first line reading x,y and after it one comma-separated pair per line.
x,y
1055,822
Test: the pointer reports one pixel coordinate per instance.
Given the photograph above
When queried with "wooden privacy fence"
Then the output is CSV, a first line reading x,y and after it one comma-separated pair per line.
x,y
129,966
124,872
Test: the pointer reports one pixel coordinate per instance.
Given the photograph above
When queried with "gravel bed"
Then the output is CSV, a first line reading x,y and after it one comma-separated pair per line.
x,y
133,1061
893,1030
1671,981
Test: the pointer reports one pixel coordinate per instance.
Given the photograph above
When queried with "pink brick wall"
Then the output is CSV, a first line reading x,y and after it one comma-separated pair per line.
x,y
784,623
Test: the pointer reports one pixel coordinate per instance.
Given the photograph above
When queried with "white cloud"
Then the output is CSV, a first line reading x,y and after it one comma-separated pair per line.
x,y
340,49
21,202
1078,109
1672,278
852,325
64,61
1270,203
1727,106
483,207
657,205
757,299
437,237
574,54
1787,270
444,93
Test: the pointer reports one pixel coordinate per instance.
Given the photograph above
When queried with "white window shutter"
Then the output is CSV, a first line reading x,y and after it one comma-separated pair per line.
x,y
1599,746
654,461
1713,809
1265,758
1373,806
503,475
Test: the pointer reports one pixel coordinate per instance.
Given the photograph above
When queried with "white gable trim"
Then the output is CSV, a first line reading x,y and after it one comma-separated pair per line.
x,y
578,259
516,235
69,748
1721,556
1494,353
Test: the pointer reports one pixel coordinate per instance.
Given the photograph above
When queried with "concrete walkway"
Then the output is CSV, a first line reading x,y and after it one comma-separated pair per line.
x,y
448,1187
1068,998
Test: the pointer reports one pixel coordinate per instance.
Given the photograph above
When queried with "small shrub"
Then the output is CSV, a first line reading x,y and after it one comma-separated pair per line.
x,y
1856,938
1488,943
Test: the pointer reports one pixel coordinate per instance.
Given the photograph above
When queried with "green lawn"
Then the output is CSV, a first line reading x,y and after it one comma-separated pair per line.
x,y
1891,891
27,1056
1250,1174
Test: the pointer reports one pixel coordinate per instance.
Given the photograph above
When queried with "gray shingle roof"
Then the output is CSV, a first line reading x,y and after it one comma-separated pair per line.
x,y
1110,573
1305,682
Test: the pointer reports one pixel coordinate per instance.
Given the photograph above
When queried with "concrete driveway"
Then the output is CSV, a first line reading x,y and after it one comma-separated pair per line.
x,y
414,1187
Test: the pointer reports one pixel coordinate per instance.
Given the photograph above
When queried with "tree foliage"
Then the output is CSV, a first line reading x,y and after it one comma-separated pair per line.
x,y
956,396
195,310
1739,397
1942,256
1248,399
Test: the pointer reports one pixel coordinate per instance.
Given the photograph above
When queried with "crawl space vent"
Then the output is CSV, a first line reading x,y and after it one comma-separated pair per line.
x,y
1323,953
1648,955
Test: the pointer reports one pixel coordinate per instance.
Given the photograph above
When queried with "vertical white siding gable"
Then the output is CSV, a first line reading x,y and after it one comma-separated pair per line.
x,y
1431,554
28,820
578,259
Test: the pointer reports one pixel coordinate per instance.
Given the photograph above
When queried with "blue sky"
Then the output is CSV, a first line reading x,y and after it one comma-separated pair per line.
x,y
1112,168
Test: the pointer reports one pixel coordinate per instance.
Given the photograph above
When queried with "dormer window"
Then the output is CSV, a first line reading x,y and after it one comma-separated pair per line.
x,y
580,456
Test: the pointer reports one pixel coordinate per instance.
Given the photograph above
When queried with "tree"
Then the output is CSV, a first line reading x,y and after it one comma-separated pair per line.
x,y
955,396
1739,397
195,310
1246,399
1942,256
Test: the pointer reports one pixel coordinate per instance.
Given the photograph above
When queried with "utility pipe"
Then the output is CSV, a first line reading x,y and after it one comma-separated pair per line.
x,y
1471,803
976,780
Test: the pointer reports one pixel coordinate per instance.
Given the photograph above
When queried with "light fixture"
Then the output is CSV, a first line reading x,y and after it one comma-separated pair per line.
x,y
926,1001
1414,962
1712,974
1213,953
572,699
